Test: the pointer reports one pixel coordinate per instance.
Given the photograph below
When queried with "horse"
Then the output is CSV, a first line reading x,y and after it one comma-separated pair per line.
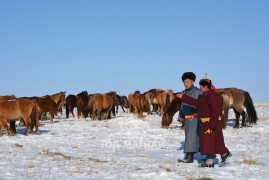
x,y
149,100
12,124
15,109
170,111
59,99
232,98
46,104
131,102
82,103
70,104
102,103
237,99
140,103
164,98
8,97
122,102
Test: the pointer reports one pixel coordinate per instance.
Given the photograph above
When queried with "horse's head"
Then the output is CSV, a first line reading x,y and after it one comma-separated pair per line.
x,y
62,98
166,120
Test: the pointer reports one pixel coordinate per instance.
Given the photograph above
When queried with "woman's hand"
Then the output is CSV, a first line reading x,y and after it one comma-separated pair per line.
x,y
179,95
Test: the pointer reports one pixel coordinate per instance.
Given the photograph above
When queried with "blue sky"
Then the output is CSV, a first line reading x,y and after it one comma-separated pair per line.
x,y
102,45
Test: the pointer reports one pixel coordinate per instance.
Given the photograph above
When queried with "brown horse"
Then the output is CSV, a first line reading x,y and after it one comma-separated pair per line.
x,y
102,103
12,110
140,103
131,102
82,103
149,100
8,97
46,104
164,98
237,99
59,99
11,123
70,104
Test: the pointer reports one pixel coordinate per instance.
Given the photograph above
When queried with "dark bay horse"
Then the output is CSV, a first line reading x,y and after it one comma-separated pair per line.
x,y
170,111
82,104
122,102
70,104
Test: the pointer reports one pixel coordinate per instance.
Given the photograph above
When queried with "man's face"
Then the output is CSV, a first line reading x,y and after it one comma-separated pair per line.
x,y
188,83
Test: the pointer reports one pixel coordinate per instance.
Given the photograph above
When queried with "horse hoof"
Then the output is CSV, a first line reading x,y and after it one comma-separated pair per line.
x,y
236,127
38,132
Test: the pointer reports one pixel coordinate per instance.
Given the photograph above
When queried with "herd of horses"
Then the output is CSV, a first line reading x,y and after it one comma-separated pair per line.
x,y
29,110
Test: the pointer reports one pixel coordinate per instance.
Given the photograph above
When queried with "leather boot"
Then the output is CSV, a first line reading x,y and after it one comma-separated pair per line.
x,y
189,157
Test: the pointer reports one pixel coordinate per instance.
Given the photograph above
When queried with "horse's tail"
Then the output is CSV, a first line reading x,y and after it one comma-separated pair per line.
x,y
167,100
248,103
35,114
67,110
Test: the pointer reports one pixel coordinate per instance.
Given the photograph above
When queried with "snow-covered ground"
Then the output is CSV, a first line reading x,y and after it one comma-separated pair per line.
x,y
128,148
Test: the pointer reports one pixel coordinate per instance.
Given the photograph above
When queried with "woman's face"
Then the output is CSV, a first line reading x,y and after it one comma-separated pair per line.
x,y
203,88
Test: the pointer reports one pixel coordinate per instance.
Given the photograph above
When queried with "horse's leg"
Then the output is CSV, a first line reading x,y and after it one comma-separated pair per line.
x,y
148,108
243,114
26,118
22,123
4,123
161,110
78,111
224,124
99,111
51,116
113,111
117,108
12,126
1,127
237,116
225,119
158,109
121,108
131,109
72,110
36,120
43,115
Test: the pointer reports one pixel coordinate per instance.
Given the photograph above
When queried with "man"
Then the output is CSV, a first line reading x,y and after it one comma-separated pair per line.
x,y
192,122
209,110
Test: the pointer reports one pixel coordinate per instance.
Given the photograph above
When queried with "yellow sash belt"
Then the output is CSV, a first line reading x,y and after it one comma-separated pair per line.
x,y
207,119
